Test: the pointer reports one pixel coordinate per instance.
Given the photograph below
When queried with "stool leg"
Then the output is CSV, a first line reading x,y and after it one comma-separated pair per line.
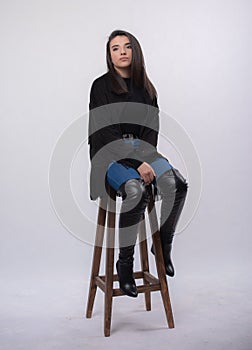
x,y
109,262
144,260
160,260
96,255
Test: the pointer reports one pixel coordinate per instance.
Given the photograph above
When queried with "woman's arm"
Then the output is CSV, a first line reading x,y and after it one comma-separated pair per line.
x,y
151,130
150,135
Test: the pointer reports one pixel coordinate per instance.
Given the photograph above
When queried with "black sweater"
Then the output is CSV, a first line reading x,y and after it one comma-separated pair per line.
x,y
111,115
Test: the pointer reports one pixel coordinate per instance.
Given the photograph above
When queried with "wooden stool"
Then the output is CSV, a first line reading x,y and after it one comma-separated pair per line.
x,y
105,283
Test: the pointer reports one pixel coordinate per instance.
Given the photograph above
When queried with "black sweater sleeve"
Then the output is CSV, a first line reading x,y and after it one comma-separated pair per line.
x,y
150,133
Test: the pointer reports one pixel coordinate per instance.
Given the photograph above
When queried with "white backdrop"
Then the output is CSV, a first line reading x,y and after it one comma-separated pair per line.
x,y
198,55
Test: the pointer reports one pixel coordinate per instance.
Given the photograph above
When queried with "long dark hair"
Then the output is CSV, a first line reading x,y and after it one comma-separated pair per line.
x,y
138,73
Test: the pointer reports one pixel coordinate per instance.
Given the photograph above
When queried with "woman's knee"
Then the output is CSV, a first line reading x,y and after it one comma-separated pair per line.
x,y
181,183
172,181
134,191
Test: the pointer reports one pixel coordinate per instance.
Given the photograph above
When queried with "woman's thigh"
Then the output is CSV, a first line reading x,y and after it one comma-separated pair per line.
x,y
118,174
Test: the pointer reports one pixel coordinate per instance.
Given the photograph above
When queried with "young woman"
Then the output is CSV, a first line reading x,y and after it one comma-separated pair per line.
x,y
123,135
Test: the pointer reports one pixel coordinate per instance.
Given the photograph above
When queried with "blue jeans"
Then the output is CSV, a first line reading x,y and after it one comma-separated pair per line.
x,y
117,173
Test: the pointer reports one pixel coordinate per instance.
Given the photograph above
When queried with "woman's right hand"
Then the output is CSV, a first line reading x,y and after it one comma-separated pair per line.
x,y
146,172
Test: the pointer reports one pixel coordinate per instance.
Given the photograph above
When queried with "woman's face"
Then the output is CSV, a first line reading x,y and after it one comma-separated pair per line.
x,y
121,54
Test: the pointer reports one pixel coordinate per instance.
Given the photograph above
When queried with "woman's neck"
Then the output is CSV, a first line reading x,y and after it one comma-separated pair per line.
x,y
124,73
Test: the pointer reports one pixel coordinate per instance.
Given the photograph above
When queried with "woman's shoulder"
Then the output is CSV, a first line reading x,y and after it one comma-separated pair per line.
x,y
101,80
100,91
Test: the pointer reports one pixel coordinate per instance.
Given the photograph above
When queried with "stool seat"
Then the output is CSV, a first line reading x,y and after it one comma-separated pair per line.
x,y
150,284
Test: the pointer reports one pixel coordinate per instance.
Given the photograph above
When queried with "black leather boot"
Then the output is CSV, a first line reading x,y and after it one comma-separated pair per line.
x,y
174,188
169,268
135,199
124,267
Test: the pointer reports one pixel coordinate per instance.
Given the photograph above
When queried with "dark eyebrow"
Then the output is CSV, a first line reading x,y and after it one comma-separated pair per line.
x,y
118,45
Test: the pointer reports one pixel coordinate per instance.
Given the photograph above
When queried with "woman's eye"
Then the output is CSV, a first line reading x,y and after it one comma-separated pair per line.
x,y
116,48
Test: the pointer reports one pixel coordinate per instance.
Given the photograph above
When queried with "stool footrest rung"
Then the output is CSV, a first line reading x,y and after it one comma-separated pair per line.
x,y
100,283
138,274
140,289
153,285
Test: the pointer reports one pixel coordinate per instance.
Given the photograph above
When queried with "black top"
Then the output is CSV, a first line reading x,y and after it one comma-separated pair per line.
x,y
114,118
134,95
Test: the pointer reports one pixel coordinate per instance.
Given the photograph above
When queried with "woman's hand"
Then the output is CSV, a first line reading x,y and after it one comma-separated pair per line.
x,y
146,172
